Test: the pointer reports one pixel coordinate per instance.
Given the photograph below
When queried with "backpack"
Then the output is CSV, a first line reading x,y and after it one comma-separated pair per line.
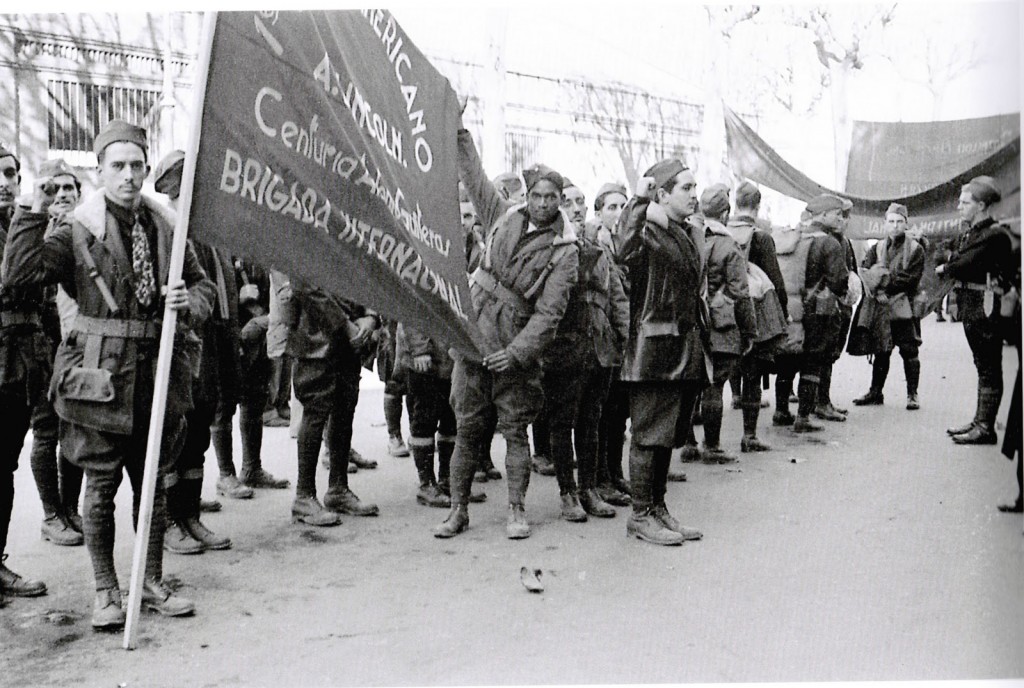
x,y
791,249
771,323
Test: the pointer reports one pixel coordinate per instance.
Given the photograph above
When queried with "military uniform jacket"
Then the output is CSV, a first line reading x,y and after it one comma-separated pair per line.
x,y
667,320
106,402
986,251
532,270
318,323
731,311
762,252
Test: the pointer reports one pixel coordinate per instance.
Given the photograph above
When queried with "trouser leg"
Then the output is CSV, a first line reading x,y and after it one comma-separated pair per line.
x,y
880,370
393,414
98,524
986,347
310,439
220,437
641,472
615,429
517,464
70,477
711,410
807,390
43,457
16,416
588,417
751,400
825,385
561,392
339,431
250,427
912,371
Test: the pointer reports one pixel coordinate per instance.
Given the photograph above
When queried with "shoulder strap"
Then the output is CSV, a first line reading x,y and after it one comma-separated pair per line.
x,y
78,236
556,257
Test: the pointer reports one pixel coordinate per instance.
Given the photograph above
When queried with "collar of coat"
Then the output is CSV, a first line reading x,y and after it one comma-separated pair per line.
x,y
92,213
565,233
716,227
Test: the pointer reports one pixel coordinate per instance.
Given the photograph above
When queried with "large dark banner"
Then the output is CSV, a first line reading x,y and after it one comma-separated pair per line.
x,y
328,153
921,165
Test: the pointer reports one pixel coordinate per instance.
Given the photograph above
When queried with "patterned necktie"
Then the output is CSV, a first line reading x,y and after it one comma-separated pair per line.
x,y
142,265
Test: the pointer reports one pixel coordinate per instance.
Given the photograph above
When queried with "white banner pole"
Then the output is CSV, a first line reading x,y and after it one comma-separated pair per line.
x,y
163,364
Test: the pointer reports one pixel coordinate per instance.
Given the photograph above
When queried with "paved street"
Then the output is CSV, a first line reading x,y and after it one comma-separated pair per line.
x,y
875,552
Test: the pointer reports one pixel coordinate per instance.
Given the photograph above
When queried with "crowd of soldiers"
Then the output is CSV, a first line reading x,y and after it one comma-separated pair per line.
x,y
640,315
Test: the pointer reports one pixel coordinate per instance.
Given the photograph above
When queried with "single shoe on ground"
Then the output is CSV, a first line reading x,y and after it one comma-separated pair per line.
x,y
262,480
690,453
15,586
272,419
157,597
783,418
431,495
660,513
912,403
750,443
873,398
542,465
1012,508
345,501
58,531
979,434
457,521
310,511
960,430
230,486
714,454
649,529
107,612
356,459
571,509
828,412
592,503
613,495
206,536
397,448
804,424
210,506
178,540
517,528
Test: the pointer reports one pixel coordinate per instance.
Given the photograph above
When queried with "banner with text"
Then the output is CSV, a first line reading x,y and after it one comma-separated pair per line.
x,y
328,152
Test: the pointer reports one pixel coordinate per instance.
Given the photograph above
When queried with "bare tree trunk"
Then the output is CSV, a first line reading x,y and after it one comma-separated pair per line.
x,y
839,72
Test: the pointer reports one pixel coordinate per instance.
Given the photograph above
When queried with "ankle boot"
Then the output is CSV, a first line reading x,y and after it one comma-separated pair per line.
x,y
517,527
423,456
912,369
57,530
572,511
983,430
592,503
192,490
457,522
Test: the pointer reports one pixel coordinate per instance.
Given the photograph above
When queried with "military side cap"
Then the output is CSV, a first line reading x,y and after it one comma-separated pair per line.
x,y
826,202
118,130
541,172
898,209
606,189
56,168
665,171
715,200
168,171
984,189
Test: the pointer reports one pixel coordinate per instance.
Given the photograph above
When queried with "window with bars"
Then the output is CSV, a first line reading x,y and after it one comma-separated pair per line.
x,y
76,111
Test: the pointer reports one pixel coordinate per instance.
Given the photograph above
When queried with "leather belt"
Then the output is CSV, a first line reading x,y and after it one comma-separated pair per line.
x,y
113,327
974,286
12,318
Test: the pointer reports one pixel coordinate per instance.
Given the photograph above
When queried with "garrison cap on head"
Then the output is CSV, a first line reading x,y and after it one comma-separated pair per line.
x,y
566,183
747,195
56,168
4,153
984,189
604,191
539,172
715,200
118,130
826,202
168,173
665,171
898,209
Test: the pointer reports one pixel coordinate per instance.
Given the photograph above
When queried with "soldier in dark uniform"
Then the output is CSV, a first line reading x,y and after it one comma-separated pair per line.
x,y
111,254
665,364
983,258
325,335
58,480
213,392
24,370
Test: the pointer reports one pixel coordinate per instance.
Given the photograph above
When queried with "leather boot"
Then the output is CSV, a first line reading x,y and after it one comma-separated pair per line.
x,y
661,515
641,523
517,527
231,486
690,453
874,397
157,597
463,463
912,369
178,540
572,511
191,522
57,530
592,503
14,585
457,522
983,431
343,500
782,415
107,612
310,511
807,392
423,456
